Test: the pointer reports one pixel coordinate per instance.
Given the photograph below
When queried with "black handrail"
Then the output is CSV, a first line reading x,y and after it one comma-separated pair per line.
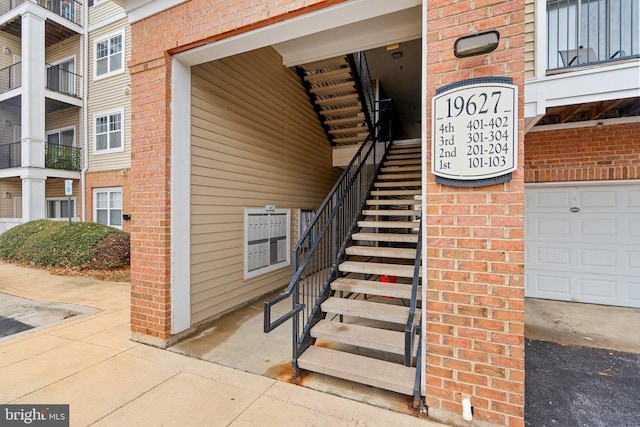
x,y
364,85
411,329
316,255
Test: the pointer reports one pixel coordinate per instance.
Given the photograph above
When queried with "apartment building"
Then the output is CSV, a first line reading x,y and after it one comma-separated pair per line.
x,y
65,112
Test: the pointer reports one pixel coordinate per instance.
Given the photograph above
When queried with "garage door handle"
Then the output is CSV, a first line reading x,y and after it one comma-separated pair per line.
x,y
574,209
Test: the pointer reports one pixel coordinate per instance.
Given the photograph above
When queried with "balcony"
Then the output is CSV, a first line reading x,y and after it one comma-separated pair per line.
x,y
62,157
589,32
10,77
68,9
63,81
10,155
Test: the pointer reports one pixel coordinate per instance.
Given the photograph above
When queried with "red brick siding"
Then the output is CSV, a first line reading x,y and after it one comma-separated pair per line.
x,y
154,39
119,178
584,154
475,256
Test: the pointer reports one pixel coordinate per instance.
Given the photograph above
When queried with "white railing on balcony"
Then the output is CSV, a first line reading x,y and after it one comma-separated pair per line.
x,y
583,32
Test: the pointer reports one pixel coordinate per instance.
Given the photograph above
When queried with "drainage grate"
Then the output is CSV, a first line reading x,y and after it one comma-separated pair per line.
x,y
10,326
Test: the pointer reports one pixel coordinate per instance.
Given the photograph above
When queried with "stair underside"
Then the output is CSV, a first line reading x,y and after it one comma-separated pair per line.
x,y
360,369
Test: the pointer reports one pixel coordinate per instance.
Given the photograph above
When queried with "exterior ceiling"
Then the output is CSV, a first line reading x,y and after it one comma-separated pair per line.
x,y
592,111
54,32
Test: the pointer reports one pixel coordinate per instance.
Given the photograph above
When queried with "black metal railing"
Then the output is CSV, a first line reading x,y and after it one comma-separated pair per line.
x,y
316,255
581,32
364,85
68,9
62,157
63,81
10,155
10,77
412,327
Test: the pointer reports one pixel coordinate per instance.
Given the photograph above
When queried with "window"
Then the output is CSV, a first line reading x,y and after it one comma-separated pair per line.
x,y
61,77
60,208
64,137
107,204
108,133
109,57
266,240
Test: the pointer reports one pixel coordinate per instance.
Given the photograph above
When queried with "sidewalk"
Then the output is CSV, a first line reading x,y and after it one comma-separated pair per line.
x,y
108,380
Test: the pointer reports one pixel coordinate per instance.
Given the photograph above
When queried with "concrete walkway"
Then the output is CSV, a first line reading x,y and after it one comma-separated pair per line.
x,y
89,363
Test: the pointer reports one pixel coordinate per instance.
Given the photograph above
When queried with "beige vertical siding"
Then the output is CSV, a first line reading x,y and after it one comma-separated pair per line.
x,y
255,141
107,94
529,38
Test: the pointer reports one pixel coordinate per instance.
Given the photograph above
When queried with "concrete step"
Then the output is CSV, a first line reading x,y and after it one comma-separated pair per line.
x,y
360,369
392,202
329,76
391,313
381,252
402,156
399,149
416,192
399,176
361,336
349,105
402,162
385,237
391,212
401,169
398,184
350,131
338,61
345,121
378,268
373,287
338,88
389,224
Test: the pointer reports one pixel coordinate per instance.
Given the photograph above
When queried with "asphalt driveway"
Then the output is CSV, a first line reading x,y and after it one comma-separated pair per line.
x,y
579,386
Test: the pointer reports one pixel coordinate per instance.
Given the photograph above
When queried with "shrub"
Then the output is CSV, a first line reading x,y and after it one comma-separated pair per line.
x,y
82,245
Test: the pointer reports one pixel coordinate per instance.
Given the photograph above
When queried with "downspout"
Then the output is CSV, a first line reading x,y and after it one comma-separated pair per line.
x,y
84,120
423,212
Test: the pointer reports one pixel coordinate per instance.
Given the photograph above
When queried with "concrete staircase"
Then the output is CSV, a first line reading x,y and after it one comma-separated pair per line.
x,y
361,336
332,88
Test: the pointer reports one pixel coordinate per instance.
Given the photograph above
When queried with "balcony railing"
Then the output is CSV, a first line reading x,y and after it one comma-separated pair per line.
x,y
583,32
68,9
10,77
62,157
10,155
63,81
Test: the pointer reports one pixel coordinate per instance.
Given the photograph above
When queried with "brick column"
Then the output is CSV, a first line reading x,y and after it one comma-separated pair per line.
x,y
475,297
150,201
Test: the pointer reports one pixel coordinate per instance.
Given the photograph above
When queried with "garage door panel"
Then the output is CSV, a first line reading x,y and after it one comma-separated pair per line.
x,y
582,243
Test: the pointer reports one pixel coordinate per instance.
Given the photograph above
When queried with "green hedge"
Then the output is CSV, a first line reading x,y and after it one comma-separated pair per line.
x,y
54,243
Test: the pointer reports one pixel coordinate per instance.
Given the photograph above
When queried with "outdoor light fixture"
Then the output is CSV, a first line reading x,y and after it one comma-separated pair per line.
x,y
476,44
7,194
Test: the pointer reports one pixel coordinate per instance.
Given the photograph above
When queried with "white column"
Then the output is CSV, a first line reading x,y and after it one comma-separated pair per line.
x,y
33,199
33,87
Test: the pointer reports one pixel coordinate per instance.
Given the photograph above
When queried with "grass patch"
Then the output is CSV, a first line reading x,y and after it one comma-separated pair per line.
x,y
54,244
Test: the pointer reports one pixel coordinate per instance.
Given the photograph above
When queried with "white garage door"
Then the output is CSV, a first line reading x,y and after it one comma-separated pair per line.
x,y
582,243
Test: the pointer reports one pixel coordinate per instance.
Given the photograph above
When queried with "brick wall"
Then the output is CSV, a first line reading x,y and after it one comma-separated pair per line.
x,y
584,154
104,179
475,255
155,39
